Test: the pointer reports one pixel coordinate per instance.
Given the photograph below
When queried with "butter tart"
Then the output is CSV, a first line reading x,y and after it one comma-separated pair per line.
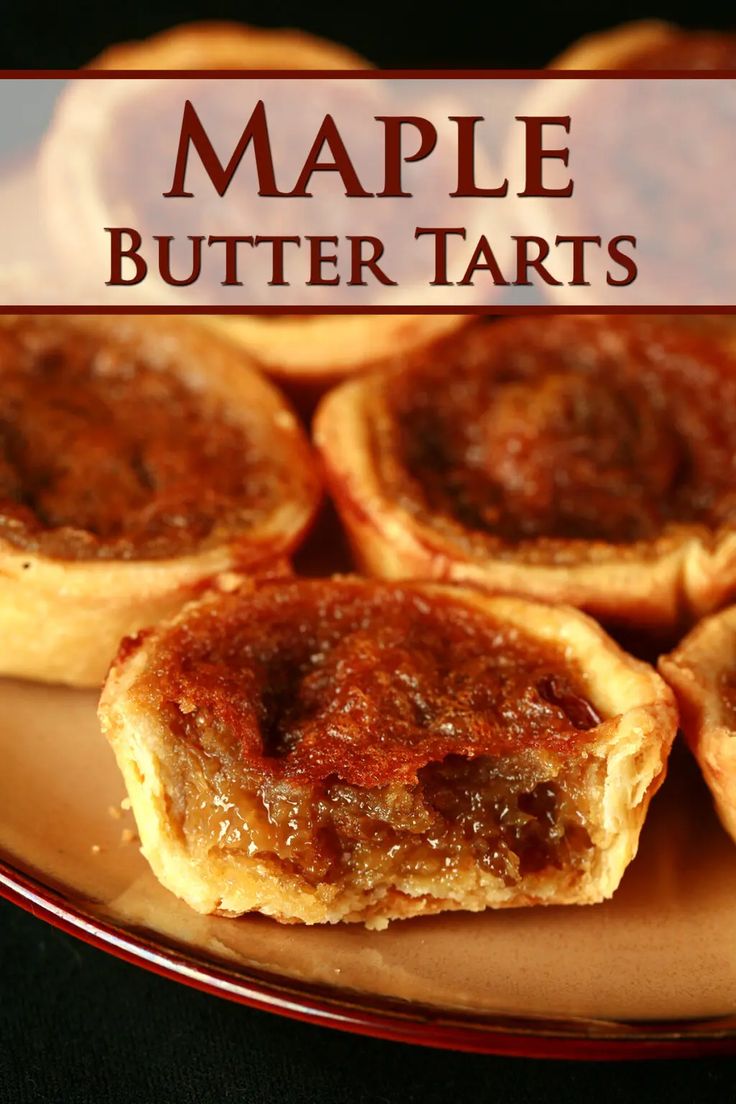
x,y
342,749
651,44
702,673
305,352
139,460
587,460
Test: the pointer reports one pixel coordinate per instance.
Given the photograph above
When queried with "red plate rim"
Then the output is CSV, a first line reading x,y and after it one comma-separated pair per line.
x,y
381,1018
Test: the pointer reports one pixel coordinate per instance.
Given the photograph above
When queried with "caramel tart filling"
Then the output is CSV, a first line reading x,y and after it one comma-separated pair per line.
x,y
105,456
346,730
559,434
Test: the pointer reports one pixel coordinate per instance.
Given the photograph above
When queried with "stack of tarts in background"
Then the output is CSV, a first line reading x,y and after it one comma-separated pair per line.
x,y
452,729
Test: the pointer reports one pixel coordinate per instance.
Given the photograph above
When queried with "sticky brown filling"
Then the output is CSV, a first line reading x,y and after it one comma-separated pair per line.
x,y
104,456
363,731
563,430
509,817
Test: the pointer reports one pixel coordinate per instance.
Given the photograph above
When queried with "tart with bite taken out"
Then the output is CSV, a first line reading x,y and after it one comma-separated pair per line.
x,y
348,750
140,461
586,460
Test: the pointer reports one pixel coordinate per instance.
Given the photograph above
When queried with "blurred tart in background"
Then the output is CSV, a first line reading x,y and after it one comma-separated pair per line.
x,y
651,44
306,352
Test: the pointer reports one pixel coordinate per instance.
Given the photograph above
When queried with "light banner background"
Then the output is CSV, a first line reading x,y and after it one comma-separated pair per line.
x,y
651,221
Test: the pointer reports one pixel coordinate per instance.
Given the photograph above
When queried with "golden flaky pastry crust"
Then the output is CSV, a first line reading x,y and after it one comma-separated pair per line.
x,y
62,618
224,45
649,45
614,48
625,761
701,672
656,584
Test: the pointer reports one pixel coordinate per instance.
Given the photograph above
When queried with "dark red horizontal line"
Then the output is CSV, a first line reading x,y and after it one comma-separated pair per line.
x,y
372,74
536,308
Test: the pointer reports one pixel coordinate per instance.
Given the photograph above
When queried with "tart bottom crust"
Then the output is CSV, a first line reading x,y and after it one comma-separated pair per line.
x,y
695,670
669,583
631,749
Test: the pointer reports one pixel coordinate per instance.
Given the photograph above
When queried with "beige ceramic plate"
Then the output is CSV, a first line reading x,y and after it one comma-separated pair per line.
x,y
652,971
530,980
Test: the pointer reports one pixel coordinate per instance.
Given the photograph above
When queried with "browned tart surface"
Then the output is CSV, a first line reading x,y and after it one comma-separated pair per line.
x,y
105,456
557,432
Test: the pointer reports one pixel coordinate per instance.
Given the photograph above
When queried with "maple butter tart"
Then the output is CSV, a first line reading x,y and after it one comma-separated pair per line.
x,y
351,750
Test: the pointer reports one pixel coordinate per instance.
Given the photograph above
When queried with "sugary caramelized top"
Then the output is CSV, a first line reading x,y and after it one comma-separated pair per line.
x,y
105,456
551,432
686,50
362,681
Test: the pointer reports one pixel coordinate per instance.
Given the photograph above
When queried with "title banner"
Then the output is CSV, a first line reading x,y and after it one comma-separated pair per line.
x,y
286,192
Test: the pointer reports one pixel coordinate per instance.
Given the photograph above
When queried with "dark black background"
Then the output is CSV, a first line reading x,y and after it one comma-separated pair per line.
x,y
79,1026
76,1025
445,33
